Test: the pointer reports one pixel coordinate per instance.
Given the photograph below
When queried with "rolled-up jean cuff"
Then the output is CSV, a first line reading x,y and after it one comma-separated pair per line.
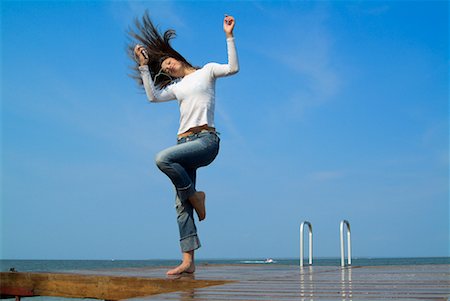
x,y
185,193
190,243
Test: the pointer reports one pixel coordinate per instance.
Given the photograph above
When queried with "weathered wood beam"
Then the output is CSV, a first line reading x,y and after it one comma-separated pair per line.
x,y
13,284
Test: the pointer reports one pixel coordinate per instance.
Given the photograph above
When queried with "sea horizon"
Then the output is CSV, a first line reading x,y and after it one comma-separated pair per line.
x,y
45,265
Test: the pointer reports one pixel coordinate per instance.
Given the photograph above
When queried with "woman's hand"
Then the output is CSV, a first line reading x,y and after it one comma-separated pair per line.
x,y
141,54
228,25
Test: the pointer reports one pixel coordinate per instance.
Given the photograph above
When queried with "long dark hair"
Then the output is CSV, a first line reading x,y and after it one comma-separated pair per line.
x,y
158,48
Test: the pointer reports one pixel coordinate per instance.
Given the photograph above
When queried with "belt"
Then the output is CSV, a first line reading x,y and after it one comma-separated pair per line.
x,y
196,130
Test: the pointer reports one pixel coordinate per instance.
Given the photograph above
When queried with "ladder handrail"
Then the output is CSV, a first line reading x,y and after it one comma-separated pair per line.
x,y
349,244
302,226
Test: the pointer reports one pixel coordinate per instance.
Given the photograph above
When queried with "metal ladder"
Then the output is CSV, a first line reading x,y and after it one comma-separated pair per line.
x,y
302,226
349,243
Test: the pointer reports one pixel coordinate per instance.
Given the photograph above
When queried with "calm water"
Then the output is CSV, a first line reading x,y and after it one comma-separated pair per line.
x,y
62,265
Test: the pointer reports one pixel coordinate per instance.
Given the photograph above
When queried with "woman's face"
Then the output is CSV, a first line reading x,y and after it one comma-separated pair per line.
x,y
172,67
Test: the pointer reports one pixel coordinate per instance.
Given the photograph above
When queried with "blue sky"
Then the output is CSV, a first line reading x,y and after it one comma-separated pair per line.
x,y
340,111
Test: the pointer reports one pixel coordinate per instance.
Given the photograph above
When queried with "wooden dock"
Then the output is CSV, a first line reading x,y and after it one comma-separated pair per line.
x,y
104,287
277,282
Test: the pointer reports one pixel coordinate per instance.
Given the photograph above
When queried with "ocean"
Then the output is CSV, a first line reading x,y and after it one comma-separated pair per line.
x,y
70,265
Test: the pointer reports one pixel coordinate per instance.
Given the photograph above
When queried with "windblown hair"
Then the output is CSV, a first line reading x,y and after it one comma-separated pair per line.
x,y
158,48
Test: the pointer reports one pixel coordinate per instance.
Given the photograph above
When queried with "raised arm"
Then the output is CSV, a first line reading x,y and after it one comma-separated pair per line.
x,y
233,65
153,94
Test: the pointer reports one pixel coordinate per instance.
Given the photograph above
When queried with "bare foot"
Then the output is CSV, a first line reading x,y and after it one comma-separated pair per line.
x,y
197,201
188,267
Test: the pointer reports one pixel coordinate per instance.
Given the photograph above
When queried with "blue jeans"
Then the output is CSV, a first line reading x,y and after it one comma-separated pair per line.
x,y
180,164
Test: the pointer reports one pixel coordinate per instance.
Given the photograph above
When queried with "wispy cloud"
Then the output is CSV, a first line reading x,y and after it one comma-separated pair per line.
x,y
304,52
310,56
369,8
160,11
133,129
326,175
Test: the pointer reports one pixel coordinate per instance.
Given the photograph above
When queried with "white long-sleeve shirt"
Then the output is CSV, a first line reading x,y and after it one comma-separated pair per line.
x,y
195,92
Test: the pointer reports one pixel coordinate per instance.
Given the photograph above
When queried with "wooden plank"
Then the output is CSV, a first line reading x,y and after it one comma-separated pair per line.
x,y
290,283
93,286
13,291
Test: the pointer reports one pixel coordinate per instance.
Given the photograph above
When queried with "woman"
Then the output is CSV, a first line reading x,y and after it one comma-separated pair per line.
x,y
166,75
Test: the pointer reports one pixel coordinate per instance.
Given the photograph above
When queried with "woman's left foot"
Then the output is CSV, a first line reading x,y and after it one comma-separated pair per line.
x,y
197,201
182,268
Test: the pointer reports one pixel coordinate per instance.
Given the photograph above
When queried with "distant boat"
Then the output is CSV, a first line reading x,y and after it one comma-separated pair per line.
x,y
267,260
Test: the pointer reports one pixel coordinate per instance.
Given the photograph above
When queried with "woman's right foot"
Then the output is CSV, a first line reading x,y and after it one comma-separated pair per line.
x,y
197,201
184,267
